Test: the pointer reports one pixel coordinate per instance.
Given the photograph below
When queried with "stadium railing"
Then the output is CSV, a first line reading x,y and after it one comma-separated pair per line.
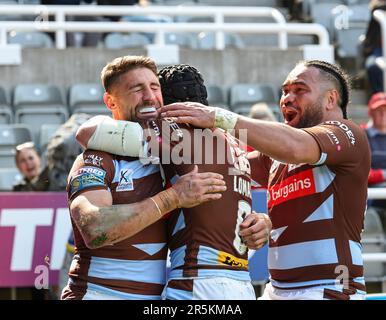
x,y
60,26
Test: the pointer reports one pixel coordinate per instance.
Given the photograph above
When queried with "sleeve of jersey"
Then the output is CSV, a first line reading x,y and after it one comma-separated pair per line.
x,y
339,143
93,171
260,165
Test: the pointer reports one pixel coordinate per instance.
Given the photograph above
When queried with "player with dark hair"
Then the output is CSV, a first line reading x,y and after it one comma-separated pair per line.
x,y
315,167
209,259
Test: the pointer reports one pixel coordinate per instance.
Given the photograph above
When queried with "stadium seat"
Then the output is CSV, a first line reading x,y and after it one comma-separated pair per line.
x,y
373,241
87,97
6,114
181,39
12,135
321,13
31,39
8,178
120,41
207,41
247,94
149,18
35,104
216,96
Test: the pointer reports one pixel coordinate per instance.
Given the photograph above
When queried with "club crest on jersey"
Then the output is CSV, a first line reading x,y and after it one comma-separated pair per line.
x,y
125,180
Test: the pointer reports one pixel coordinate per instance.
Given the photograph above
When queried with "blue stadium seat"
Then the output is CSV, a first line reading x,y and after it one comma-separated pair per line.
x,y
120,41
31,39
246,94
87,98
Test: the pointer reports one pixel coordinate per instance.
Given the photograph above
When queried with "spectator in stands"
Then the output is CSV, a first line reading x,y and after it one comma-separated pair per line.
x,y
376,133
29,164
262,111
372,49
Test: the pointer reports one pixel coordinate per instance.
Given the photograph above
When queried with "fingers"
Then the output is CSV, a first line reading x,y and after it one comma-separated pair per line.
x,y
256,240
209,175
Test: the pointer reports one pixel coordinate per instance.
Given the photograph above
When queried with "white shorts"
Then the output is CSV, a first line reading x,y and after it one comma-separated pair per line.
x,y
312,293
218,288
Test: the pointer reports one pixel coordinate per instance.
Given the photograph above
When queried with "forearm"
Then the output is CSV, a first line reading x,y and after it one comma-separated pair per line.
x,y
123,138
277,140
102,226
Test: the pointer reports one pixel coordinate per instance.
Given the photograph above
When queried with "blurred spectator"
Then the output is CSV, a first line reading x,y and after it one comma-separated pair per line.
x,y
262,111
120,3
376,133
29,164
372,49
295,9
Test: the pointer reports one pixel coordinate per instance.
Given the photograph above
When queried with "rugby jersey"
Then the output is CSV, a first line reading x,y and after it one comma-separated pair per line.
x,y
135,267
204,240
317,211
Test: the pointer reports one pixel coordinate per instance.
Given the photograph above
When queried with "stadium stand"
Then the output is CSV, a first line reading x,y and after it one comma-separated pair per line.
x,y
87,98
46,132
6,114
244,95
373,240
216,96
38,103
12,135
31,39
119,41
9,177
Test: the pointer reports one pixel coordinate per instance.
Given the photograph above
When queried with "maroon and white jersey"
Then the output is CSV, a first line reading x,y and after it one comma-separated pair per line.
x,y
204,240
134,268
317,211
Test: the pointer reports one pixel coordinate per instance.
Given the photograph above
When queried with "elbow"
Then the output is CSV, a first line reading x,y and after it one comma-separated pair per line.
x,y
80,136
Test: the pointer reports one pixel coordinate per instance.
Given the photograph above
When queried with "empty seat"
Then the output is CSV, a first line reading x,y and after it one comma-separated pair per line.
x,y
216,96
86,96
181,39
31,39
12,135
245,95
36,104
8,178
120,41
373,241
6,114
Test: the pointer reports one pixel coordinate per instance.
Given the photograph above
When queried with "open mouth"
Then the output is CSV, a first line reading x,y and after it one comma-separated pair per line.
x,y
290,116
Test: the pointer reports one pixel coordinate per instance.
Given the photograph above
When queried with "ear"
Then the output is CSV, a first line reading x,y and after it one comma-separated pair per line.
x,y
332,99
109,101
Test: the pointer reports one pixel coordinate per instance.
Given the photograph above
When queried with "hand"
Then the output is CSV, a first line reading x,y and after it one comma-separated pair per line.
x,y
194,113
195,188
255,230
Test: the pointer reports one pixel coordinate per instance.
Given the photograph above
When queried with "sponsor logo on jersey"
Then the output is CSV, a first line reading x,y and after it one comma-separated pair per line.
x,y
346,130
96,171
94,160
296,186
84,181
125,180
231,260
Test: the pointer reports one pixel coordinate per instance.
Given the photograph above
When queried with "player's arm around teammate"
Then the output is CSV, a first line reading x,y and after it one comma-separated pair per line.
x,y
102,223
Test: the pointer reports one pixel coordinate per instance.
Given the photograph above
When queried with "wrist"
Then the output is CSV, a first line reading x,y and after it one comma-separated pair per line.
x,y
225,119
166,201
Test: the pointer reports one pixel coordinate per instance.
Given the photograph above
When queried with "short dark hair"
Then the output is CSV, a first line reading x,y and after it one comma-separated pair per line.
x,y
119,66
181,83
336,75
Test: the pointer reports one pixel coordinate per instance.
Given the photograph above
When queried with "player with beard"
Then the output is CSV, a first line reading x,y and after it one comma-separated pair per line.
x,y
315,167
117,203
209,259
